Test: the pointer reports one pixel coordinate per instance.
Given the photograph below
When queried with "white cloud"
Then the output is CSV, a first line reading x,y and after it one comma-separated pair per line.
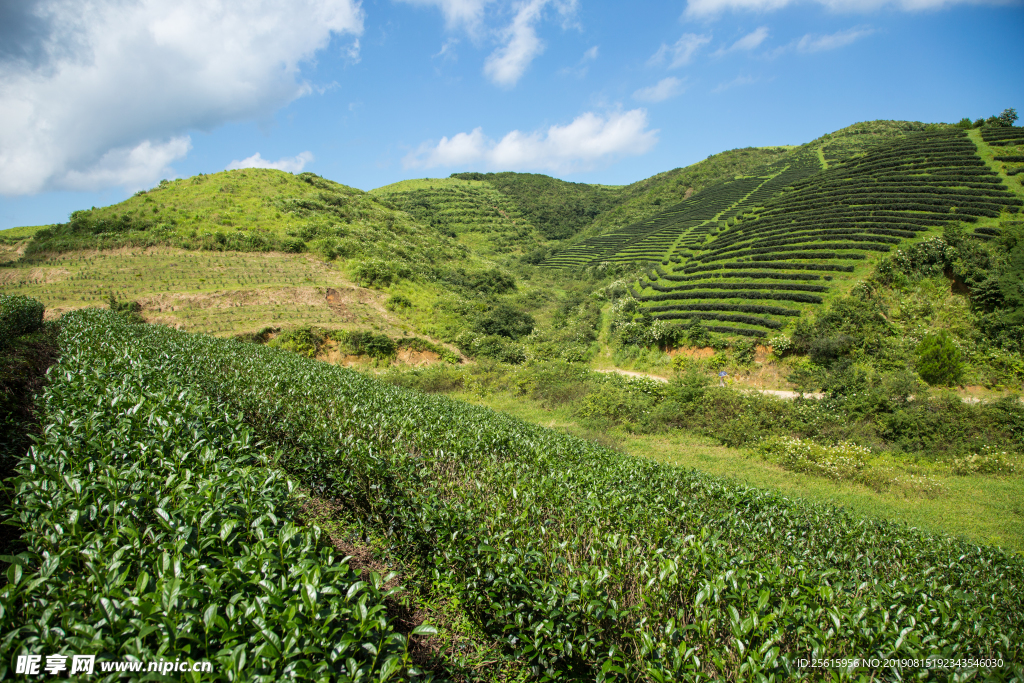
x,y
748,42
518,41
506,65
582,67
447,50
113,87
660,91
132,168
812,43
293,164
681,53
708,8
465,14
588,141
739,80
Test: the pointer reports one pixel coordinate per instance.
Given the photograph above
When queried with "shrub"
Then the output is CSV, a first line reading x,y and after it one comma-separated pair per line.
x,y
491,346
986,461
506,321
780,345
378,273
698,335
825,350
398,301
938,360
745,351
18,315
844,461
129,310
305,341
365,343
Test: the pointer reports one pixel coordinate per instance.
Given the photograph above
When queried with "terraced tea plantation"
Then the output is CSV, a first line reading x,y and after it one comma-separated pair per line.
x,y
1009,146
750,254
583,563
470,209
786,252
674,232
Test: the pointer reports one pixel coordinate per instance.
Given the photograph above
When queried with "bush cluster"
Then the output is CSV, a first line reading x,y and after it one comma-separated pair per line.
x,y
18,315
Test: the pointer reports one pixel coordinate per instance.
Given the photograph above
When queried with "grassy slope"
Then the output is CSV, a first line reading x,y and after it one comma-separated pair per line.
x,y
20,233
208,254
255,210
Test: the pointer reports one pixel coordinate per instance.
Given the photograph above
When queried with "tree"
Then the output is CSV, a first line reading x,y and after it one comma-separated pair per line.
x,y
964,123
1008,116
938,359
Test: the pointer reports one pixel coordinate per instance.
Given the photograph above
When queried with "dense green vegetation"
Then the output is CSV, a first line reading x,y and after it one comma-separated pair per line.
x,y
586,563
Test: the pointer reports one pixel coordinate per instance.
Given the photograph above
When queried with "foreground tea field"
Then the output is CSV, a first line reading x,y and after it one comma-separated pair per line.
x,y
588,565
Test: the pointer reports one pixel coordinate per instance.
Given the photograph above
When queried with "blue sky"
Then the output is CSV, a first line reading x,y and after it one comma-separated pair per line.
x,y
98,102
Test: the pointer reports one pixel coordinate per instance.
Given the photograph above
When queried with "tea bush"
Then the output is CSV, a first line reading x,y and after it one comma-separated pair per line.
x,y
18,315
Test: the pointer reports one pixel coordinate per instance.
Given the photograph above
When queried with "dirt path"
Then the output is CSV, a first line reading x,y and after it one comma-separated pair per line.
x,y
780,393
788,395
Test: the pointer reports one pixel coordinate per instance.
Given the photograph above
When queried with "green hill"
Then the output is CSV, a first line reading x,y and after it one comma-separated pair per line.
x,y
253,210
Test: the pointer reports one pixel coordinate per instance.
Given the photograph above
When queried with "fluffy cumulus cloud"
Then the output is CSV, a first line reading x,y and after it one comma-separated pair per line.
x,y
293,164
708,8
103,93
662,90
589,141
521,45
681,52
